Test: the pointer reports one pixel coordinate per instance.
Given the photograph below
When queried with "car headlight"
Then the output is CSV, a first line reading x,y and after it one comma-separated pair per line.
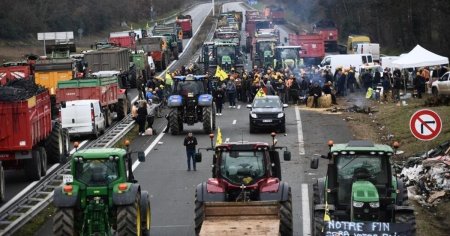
x,y
358,204
253,115
374,204
280,115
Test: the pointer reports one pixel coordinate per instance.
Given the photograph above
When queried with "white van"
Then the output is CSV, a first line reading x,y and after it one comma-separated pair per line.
x,y
369,48
331,62
83,117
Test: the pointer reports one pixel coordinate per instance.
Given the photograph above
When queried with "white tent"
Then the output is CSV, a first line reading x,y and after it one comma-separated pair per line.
x,y
419,57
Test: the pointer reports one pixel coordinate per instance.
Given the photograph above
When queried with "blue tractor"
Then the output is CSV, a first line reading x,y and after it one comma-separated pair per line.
x,y
190,103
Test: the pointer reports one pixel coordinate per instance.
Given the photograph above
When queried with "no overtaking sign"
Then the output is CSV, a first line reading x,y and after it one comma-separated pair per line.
x,y
425,124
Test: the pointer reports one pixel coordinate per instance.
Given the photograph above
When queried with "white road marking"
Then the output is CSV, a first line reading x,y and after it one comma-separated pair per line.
x,y
301,143
239,107
306,215
234,122
227,140
149,149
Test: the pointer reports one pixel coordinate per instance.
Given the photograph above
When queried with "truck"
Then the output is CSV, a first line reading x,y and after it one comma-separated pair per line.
x,y
172,32
354,40
157,48
361,187
287,57
29,138
104,86
15,70
312,44
332,62
246,194
124,39
100,196
330,34
110,58
369,48
185,22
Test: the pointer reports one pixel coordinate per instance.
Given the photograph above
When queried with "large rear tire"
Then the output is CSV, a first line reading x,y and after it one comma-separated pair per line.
x,y
64,222
129,218
316,194
44,166
146,214
286,216
208,119
2,184
318,226
173,120
122,108
199,215
54,145
407,218
33,167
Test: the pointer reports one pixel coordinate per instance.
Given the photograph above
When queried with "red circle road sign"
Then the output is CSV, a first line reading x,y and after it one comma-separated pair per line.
x,y
425,124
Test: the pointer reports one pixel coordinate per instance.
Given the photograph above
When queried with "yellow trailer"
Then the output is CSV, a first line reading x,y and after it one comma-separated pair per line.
x,y
48,73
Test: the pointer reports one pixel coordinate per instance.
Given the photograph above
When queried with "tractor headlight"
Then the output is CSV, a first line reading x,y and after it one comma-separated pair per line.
x,y
253,115
374,204
358,204
280,115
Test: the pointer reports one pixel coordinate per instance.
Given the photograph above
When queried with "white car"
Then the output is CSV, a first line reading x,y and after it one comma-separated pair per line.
x,y
441,86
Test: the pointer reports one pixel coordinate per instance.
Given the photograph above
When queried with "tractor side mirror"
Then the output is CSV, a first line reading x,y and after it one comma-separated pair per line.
x,y
249,106
198,157
314,163
141,156
287,155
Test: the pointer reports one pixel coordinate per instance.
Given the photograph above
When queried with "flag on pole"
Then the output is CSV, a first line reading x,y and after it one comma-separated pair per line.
x,y
219,137
221,73
260,93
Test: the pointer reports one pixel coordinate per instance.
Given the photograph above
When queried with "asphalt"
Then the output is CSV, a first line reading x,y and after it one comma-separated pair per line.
x,y
172,188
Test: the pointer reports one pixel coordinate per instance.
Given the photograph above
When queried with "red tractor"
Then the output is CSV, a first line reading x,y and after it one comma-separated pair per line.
x,y
245,195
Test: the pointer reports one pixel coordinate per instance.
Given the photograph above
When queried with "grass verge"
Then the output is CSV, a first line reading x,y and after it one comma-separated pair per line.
x,y
36,223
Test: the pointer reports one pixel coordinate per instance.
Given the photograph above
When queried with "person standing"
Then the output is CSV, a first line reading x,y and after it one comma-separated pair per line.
x,y
190,142
231,92
218,97
141,117
151,110
316,92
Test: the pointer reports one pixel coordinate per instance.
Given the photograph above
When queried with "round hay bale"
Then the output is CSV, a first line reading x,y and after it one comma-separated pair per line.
x,y
325,101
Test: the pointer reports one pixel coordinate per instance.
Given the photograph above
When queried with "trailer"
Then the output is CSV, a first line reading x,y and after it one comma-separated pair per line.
x,y
157,48
185,22
102,86
173,34
28,135
312,44
330,35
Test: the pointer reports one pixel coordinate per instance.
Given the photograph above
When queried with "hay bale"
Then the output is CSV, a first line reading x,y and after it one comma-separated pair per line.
x,y
325,101
309,102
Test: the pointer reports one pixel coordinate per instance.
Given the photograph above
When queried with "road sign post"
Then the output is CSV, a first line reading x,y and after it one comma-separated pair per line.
x,y
425,124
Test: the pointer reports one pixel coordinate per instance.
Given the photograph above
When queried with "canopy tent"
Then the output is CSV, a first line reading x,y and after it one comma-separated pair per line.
x,y
419,57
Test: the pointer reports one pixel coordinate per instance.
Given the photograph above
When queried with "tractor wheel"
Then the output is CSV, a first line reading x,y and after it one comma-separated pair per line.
x,y
43,154
407,218
33,166
66,147
174,122
318,223
129,218
316,194
199,215
122,108
402,196
55,144
286,216
146,214
213,116
208,118
108,117
2,184
64,222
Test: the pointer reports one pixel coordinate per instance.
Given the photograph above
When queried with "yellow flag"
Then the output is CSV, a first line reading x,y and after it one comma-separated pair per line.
x,y
260,93
219,137
221,73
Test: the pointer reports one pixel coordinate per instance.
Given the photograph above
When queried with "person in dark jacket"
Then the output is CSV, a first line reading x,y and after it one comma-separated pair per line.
x,y
218,99
142,117
419,84
327,89
316,92
190,142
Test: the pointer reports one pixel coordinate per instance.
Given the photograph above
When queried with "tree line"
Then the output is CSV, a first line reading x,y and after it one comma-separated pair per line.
x,y
21,19
398,25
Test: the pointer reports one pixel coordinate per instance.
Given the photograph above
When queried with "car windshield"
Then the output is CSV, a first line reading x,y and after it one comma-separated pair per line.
x,y
352,167
242,167
190,87
266,103
97,172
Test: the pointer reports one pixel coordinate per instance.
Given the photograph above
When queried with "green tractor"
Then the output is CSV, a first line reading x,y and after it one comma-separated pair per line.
x,y
360,188
100,198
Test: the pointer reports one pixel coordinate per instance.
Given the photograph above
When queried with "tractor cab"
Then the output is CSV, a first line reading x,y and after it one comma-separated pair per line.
x,y
223,53
287,57
360,185
189,86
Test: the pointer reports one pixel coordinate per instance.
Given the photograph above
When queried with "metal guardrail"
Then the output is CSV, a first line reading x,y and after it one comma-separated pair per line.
x,y
18,213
